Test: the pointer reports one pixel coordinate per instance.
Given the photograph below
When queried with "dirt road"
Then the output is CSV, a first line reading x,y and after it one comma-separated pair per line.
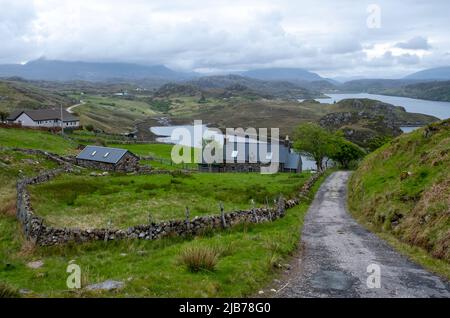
x,y
337,253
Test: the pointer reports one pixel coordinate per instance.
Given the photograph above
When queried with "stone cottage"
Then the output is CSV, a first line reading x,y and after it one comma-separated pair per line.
x,y
108,159
245,154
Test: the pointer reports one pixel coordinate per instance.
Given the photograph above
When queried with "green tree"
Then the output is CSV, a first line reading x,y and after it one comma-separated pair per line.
x,y
3,115
314,142
345,152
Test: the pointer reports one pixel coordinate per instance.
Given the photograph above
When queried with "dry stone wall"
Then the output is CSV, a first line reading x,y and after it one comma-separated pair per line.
x,y
36,230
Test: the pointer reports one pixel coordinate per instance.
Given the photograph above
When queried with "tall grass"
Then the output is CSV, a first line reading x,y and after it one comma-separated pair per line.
x,y
7,291
198,258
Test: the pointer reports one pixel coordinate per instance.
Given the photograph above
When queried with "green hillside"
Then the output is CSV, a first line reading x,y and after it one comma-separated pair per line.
x,y
436,90
22,95
403,189
34,139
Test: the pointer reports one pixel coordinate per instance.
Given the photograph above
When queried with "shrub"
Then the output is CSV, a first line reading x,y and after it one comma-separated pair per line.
x,y
7,291
198,258
89,127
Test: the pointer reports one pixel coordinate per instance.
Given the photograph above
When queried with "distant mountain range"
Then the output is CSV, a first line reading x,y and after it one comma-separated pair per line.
x,y
50,70
274,81
53,70
437,73
282,74
273,88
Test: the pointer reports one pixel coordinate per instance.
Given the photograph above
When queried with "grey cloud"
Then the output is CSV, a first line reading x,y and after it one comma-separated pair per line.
x,y
185,34
415,43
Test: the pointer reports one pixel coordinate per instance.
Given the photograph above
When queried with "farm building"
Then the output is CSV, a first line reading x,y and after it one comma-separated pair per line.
x,y
50,118
249,155
109,159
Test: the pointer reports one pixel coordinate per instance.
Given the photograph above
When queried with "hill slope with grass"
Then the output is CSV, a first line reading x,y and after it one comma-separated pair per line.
x,y
435,90
16,94
403,189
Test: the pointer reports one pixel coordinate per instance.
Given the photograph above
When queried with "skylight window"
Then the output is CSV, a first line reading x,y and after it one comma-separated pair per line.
x,y
106,155
234,154
93,153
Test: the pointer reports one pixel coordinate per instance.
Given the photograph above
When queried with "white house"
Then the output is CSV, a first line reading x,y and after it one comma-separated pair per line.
x,y
44,118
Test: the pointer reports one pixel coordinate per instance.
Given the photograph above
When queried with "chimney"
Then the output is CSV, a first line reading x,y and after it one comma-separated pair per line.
x,y
287,143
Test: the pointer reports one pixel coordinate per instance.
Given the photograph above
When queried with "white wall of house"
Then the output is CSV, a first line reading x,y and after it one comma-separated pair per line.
x,y
69,124
26,121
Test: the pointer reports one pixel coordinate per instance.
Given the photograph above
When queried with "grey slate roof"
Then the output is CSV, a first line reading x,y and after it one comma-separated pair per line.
x,y
102,154
44,114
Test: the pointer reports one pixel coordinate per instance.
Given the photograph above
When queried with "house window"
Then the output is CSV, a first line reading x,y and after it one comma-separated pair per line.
x,y
106,155
234,154
269,156
93,153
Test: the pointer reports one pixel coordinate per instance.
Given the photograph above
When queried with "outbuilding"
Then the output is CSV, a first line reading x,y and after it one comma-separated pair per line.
x,y
108,159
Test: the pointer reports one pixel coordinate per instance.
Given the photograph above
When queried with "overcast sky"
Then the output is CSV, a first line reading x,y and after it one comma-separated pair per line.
x,y
332,38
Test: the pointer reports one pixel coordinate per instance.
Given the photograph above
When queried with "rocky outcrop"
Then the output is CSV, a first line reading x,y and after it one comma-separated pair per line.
x,y
361,127
394,115
174,89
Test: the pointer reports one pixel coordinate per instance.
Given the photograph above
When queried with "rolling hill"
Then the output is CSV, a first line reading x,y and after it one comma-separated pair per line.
x,y
16,94
275,88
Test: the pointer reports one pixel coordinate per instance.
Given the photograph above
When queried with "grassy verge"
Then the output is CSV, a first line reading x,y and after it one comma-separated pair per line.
x,y
414,253
402,191
246,259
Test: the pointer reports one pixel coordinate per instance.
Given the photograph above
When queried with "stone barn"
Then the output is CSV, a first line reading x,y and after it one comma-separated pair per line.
x,y
108,159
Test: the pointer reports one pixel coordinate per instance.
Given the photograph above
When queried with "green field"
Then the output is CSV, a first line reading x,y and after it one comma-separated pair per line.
x,y
161,154
249,256
83,201
402,191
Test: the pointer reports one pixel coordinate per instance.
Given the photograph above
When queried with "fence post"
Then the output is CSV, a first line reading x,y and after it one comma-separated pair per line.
x,y
255,217
107,230
281,205
150,223
268,209
187,218
222,215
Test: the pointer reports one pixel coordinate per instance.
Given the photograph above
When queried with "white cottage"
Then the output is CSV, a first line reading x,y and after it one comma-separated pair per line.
x,y
44,118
